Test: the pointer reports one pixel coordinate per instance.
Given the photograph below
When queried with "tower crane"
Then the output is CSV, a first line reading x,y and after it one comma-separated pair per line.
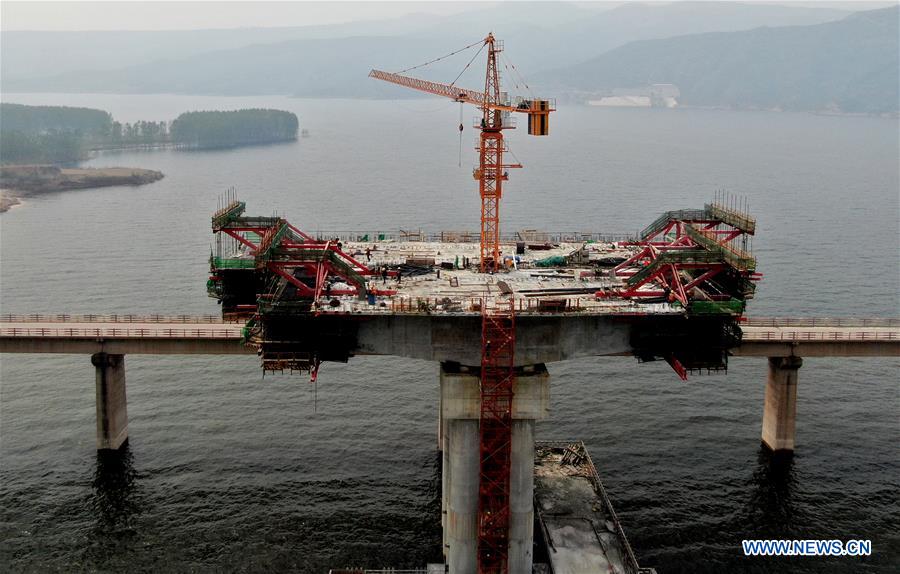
x,y
491,171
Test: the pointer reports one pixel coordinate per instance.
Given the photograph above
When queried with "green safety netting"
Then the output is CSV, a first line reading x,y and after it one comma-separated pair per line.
x,y
731,307
234,263
552,261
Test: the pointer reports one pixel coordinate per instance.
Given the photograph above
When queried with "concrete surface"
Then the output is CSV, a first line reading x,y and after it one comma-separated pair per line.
x,y
779,424
112,406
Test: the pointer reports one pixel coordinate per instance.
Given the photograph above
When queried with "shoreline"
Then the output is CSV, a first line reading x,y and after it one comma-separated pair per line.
x,y
8,200
19,181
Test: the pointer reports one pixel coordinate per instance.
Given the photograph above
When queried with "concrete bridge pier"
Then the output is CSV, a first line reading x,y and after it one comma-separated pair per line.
x,y
112,409
780,413
459,436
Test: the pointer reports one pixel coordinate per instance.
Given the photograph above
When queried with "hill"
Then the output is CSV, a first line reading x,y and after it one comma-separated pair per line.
x,y
850,65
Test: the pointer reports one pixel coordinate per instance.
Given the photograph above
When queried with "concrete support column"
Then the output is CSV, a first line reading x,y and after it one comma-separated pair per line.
x,y
780,413
462,510
445,487
441,426
112,410
521,497
460,414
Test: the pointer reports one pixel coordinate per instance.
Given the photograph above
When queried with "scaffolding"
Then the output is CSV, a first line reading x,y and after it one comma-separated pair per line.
x,y
692,263
497,377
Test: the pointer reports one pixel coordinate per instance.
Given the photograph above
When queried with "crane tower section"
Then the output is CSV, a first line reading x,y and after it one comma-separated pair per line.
x,y
490,162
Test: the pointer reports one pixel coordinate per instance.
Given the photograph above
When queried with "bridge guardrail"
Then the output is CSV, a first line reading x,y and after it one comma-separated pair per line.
x,y
123,333
65,318
236,333
419,236
821,336
822,322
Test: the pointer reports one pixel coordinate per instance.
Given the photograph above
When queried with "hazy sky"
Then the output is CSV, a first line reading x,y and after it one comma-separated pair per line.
x,y
173,15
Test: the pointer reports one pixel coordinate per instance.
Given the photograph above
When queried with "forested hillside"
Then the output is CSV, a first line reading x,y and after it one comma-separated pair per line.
x,y
56,134
226,129
55,119
49,134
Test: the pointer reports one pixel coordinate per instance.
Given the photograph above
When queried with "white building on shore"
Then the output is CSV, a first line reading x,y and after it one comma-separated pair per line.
x,y
653,96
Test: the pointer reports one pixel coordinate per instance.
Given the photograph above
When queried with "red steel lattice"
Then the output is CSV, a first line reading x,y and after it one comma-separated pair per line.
x,y
497,377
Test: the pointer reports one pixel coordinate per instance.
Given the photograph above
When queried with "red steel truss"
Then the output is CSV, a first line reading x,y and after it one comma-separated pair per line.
x,y
498,341
283,249
692,257
682,253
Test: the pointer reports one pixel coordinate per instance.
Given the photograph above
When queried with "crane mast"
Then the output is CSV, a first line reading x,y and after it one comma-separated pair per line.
x,y
490,162
491,171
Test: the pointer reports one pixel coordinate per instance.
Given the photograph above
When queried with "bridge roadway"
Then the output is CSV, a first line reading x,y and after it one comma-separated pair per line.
x,y
210,335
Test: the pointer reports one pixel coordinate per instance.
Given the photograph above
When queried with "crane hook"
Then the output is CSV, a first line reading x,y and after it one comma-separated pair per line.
x,y
459,162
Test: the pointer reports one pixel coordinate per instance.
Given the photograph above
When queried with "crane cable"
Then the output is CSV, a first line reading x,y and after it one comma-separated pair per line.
x,y
506,61
459,163
458,76
442,57
467,66
510,151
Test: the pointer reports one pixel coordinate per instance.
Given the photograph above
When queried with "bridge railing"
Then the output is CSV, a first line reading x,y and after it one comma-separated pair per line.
x,y
122,333
65,318
820,336
528,236
822,322
397,305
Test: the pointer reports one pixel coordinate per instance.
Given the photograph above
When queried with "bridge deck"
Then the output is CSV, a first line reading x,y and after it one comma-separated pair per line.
x,y
120,334
157,334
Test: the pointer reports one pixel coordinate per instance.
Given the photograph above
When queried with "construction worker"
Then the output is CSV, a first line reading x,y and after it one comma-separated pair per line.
x,y
384,274
368,254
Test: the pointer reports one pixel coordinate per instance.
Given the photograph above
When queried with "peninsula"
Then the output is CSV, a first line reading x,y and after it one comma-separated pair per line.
x,y
17,181
36,140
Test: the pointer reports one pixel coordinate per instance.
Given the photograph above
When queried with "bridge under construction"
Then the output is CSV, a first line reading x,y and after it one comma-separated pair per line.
x,y
676,292
493,310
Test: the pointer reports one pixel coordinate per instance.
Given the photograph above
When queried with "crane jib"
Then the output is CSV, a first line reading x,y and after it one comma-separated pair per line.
x,y
534,107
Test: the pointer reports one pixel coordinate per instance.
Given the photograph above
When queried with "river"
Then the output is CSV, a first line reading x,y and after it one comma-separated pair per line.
x,y
229,471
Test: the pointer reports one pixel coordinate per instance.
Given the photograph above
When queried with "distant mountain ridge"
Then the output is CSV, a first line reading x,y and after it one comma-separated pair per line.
x,y
717,53
542,33
851,65
332,61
